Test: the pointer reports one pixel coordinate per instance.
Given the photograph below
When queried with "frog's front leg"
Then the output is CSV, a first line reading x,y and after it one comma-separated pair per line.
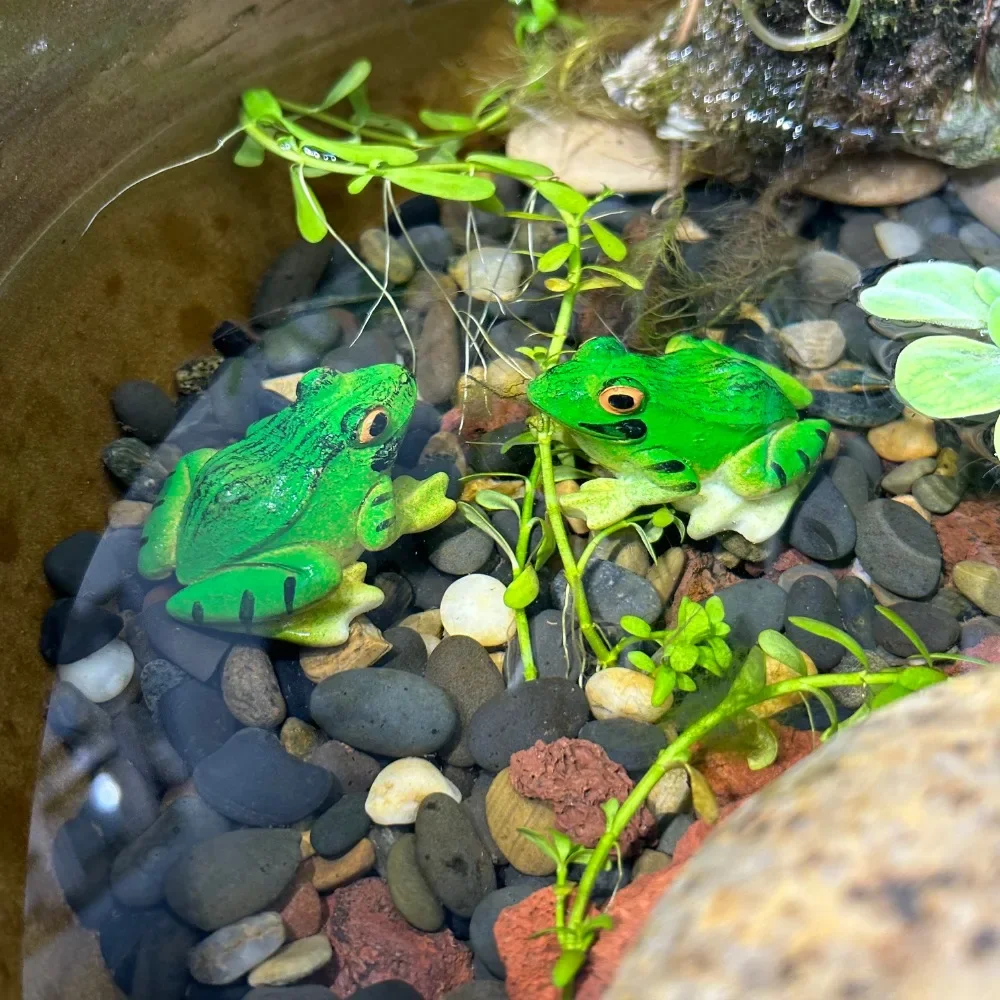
x,y
272,586
422,504
785,455
158,554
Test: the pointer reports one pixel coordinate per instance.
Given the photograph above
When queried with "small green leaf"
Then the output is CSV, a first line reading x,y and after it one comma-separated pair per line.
x,y
474,516
832,633
685,683
495,500
563,472
623,276
506,165
543,843
388,123
831,711
782,649
250,153
763,743
491,97
557,285
612,246
610,809
663,518
917,678
904,626
532,217
563,197
309,213
546,547
590,284
888,694
522,590
357,184
642,661
261,105
454,187
683,657
447,121
635,626
566,967
993,323
554,258
702,797
563,845
525,437
664,681
752,676
353,78
366,154
600,922
715,610
988,284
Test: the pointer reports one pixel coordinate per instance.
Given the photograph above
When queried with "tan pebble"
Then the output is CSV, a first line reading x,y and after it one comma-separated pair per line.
x,y
832,448
376,246
665,573
489,274
813,343
877,180
947,463
299,738
589,154
649,862
979,189
912,502
306,849
424,622
327,875
438,340
576,524
445,444
620,693
688,231
400,787
980,583
513,488
128,513
428,287
472,395
671,794
634,557
250,688
903,440
775,672
510,379
364,647
508,812
729,559
284,385
498,659
294,962
431,642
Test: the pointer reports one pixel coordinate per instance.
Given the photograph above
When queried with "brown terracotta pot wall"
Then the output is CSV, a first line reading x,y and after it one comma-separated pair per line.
x,y
94,93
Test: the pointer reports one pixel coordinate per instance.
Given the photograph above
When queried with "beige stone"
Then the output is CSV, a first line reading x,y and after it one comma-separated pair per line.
x,y
400,787
507,811
634,557
364,647
877,180
284,385
294,962
299,738
620,693
906,439
250,687
870,869
979,189
424,622
671,794
914,504
980,583
128,513
327,875
775,672
473,605
377,248
489,274
589,154
665,573
649,862
426,288
813,343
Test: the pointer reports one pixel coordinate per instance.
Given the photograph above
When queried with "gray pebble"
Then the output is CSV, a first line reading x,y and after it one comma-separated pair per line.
x,y
143,409
857,609
354,771
410,892
613,592
485,915
156,678
752,606
475,806
901,479
899,549
634,745
458,547
938,629
810,597
938,494
555,655
821,525
342,826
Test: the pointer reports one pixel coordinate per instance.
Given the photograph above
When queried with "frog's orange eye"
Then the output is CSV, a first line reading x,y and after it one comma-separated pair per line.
x,y
374,425
621,399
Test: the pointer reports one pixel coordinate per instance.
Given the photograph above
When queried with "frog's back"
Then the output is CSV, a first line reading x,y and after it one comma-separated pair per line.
x,y
250,493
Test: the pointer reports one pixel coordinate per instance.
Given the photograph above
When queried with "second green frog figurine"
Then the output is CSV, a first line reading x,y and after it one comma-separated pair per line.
x,y
265,534
707,429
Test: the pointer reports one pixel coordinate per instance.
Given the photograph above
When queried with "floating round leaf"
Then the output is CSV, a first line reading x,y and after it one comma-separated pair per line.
x,y
988,284
949,377
938,292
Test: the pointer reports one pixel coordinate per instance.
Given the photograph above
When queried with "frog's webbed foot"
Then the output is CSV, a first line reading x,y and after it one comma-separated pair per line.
x,y
785,456
421,504
254,595
158,554
327,622
603,502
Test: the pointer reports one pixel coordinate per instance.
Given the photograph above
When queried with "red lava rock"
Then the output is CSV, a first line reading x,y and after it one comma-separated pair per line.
x,y
301,908
988,650
372,943
730,776
703,575
970,531
576,777
529,959
502,412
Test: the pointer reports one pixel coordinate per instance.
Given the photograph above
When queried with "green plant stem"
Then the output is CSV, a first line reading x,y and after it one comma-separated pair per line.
x,y
679,752
523,541
803,42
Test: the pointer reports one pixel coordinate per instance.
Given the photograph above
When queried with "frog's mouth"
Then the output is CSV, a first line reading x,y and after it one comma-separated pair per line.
x,y
619,430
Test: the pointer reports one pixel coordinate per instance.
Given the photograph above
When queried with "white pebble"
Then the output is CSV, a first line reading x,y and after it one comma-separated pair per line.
x,y
620,693
489,273
104,674
401,786
813,343
897,239
473,606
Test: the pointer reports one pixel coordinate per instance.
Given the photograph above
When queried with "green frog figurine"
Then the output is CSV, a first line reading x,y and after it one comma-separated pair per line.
x,y
702,427
265,533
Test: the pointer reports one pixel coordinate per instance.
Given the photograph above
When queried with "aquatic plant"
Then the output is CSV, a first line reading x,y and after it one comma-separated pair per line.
x,y
944,376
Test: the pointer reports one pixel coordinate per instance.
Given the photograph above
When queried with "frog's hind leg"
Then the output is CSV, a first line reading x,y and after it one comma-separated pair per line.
x,y
785,455
158,554
251,592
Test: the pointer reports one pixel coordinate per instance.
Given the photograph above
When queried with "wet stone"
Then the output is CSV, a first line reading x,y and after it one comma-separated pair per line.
x,y
338,829
398,597
429,586
857,609
811,597
548,648
821,525
133,464
198,651
142,741
84,728
458,547
292,277
433,244
295,686
73,629
899,549
143,409
196,720
938,494
485,915
385,711
354,771
850,478
250,689
222,880
161,971
938,629
408,653
122,800
299,343
861,451
632,744
474,805
613,592
545,710
410,892
253,780
156,678
66,563
451,856
901,478
752,606
231,952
